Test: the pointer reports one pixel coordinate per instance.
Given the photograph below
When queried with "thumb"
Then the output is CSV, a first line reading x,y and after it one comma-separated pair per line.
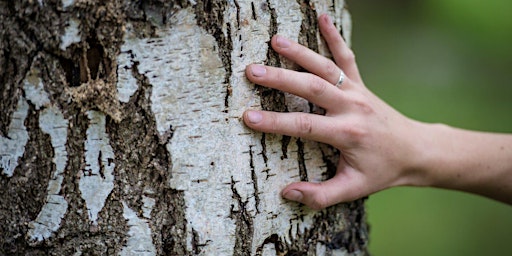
x,y
321,195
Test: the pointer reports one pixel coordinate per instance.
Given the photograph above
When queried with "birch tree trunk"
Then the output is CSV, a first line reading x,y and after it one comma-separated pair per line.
x,y
120,131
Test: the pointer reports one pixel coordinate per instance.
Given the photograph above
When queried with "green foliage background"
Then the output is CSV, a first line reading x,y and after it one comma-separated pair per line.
x,y
446,61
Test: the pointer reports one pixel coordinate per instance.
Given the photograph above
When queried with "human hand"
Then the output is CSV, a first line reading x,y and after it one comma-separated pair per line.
x,y
375,141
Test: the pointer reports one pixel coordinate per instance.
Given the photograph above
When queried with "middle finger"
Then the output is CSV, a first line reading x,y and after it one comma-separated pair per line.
x,y
307,58
305,85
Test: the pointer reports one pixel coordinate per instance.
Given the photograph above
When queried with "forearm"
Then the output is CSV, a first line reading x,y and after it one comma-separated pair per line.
x,y
475,162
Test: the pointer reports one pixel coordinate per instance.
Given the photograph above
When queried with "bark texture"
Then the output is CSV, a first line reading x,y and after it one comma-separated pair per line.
x,y
120,131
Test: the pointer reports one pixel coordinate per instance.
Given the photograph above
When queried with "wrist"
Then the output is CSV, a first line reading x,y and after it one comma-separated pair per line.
x,y
423,154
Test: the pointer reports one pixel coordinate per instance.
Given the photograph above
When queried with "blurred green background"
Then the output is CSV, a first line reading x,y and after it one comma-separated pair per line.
x,y
447,61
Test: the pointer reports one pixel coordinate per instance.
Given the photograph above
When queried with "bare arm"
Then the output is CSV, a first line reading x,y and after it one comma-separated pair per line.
x,y
380,147
475,162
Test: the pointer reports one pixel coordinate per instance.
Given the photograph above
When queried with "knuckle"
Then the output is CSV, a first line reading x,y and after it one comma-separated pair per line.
x,y
350,56
297,50
317,86
354,132
331,70
273,124
319,201
304,125
362,104
279,75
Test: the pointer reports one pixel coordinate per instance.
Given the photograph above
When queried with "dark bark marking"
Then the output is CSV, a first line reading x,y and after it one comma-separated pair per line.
x,y
76,230
18,47
95,88
254,16
303,173
285,141
98,65
341,226
170,229
244,224
100,164
330,164
237,6
263,142
23,195
272,239
209,15
254,180
271,99
267,172
355,235
145,166
309,25
158,12
90,65
72,72
196,245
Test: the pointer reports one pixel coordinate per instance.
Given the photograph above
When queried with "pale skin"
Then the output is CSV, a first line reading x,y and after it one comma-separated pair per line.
x,y
380,148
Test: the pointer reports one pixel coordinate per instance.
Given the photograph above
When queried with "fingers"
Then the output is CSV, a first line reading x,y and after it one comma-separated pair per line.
x,y
305,85
343,55
316,63
306,58
343,187
308,126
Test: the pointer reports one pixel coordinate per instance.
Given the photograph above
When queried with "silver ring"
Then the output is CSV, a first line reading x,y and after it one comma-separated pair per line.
x,y
341,79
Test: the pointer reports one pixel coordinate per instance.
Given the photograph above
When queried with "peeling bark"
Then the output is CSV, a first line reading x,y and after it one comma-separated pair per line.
x,y
120,131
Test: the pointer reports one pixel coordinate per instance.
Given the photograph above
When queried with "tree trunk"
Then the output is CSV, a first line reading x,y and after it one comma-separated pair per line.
x,y
120,131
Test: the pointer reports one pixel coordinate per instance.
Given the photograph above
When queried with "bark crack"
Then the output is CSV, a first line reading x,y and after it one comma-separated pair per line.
x,y
303,173
330,164
18,47
271,99
254,16
209,15
196,244
309,25
100,164
285,141
254,180
145,169
244,223
263,142
237,14
272,239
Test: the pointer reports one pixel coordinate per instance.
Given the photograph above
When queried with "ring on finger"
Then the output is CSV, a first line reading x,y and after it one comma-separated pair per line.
x,y
341,79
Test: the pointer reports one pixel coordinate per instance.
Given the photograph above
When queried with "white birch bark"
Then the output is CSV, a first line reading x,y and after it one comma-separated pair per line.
x,y
179,78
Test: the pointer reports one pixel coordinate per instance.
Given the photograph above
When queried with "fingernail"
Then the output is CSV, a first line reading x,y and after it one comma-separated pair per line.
x,y
328,19
293,195
282,42
258,70
254,116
